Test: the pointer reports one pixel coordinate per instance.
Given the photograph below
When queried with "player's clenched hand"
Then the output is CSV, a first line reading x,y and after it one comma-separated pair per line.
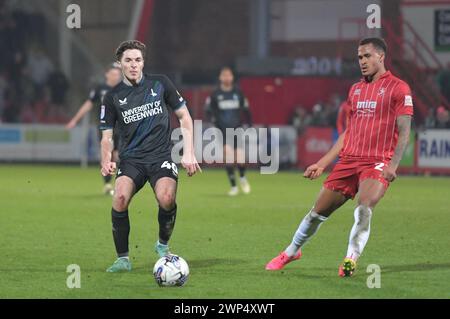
x,y
313,171
389,174
108,168
189,162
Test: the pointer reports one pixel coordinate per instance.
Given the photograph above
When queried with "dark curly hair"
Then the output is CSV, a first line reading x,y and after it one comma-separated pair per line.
x,y
130,45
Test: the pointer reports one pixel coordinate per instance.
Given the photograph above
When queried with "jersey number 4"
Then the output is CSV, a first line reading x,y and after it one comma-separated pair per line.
x,y
171,166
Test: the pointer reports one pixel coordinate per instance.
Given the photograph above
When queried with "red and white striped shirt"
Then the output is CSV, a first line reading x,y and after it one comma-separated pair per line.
x,y
371,126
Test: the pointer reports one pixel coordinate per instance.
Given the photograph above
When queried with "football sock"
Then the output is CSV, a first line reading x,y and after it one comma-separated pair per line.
x,y
308,227
166,221
360,232
231,177
107,179
121,231
241,171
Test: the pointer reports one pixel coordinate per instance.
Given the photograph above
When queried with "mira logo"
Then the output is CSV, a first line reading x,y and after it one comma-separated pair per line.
x,y
372,105
366,107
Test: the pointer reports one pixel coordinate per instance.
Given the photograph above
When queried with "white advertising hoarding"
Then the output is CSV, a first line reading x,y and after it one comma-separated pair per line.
x,y
434,149
47,143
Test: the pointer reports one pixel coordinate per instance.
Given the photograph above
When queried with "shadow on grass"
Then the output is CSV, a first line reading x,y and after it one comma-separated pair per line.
x,y
416,267
194,264
90,196
300,275
209,262
217,195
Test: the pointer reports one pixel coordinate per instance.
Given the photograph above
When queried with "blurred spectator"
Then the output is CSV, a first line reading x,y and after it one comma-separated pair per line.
x,y
443,118
3,88
330,114
26,71
27,114
11,46
335,101
39,68
319,116
11,109
444,81
430,120
300,119
58,85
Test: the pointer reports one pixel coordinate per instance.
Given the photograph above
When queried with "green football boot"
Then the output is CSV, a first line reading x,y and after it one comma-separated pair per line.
x,y
120,265
162,250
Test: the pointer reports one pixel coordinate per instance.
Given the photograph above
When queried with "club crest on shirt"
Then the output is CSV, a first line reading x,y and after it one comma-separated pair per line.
x,y
381,91
357,92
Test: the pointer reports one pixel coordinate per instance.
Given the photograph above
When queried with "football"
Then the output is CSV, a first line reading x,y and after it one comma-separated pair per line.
x,y
171,270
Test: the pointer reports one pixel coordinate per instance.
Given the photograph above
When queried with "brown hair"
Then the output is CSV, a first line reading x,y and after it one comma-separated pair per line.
x,y
130,45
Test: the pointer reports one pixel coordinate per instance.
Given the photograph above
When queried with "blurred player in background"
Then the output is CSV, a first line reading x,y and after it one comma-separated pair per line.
x,y
224,109
113,76
370,150
139,109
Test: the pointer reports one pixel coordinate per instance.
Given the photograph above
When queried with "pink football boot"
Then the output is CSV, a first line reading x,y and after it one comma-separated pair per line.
x,y
282,260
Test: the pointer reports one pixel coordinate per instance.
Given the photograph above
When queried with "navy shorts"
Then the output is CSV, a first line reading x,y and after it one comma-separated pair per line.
x,y
151,172
230,137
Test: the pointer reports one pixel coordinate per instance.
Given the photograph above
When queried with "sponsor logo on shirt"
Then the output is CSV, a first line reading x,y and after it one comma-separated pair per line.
x,y
408,100
366,108
141,112
102,112
228,104
180,98
123,102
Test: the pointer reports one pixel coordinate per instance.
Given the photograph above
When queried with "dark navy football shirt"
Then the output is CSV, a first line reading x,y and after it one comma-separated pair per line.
x,y
140,114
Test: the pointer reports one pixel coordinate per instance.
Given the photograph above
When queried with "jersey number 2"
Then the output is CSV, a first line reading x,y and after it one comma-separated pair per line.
x,y
379,166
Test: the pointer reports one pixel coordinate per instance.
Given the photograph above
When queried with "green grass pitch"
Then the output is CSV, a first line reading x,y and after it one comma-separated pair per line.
x,y
54,216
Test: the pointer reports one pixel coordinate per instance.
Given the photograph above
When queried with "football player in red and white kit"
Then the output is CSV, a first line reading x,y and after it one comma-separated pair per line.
x,y
369,150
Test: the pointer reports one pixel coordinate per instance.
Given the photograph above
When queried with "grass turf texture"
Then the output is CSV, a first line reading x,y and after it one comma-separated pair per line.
x,y
52,217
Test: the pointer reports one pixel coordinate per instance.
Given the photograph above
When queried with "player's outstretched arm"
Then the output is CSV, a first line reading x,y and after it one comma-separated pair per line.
x,y
189,162
404,128
85,108
108,167
315,170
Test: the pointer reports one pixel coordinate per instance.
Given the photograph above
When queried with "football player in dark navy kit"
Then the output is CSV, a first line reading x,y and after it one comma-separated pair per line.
x,y
224,108
113,76
138,108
